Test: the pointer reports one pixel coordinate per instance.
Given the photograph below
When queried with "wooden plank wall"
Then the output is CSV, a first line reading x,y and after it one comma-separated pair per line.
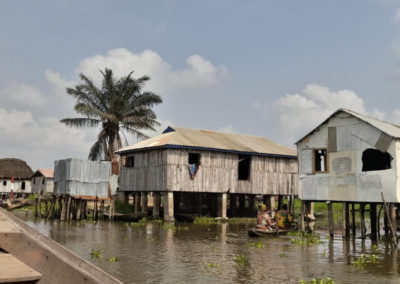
x,y
218,172
149,173
167,170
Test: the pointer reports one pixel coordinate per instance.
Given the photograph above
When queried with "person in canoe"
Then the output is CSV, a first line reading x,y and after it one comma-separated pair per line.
x,y
283,218
264,219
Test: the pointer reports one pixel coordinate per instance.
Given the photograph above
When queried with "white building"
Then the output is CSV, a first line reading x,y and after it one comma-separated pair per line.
x,y
350,157
15,175
42,181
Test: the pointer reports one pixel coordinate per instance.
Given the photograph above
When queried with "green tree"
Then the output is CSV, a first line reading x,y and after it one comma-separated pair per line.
x,y
118,106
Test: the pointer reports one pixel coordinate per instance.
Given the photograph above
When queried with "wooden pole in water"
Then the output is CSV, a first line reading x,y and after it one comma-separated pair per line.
x,y
362,221
345,220
36,207
95,210
68,208
353,220
280,201
330,218
372,215
78,209
102,210
388,220
302,209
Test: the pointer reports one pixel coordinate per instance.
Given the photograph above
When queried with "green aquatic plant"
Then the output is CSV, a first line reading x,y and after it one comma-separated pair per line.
x,y
374,249
255,244
241,259
214,249
236,220
95,253
113,259
126,239
205,221
307,239
283,254
169,227
323,254
327,280
183,228
361,261
212,265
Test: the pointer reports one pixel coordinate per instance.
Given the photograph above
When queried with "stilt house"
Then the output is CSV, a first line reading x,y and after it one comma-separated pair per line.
x,y
42,181
195,162
82,179
15,175
350,157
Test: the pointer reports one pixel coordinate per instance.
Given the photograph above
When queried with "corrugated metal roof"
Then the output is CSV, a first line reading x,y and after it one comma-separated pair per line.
x,y
179,137
47,173
389,128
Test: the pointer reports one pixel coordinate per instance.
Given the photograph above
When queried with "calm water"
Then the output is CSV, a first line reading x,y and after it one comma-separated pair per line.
x,y
155,254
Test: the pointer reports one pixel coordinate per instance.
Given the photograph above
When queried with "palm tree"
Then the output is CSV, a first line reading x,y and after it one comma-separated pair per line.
x,y
119,105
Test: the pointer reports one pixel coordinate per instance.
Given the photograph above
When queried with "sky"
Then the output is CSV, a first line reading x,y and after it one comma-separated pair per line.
x,y
274,69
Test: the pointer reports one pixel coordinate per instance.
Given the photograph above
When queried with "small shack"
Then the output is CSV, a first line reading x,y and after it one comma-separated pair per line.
x,y
351,158
204,171
77,181
15,176
42,181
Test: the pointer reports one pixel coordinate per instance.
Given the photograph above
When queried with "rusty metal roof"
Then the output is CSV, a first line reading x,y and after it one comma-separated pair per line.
x,y
179,137
47,173
386,127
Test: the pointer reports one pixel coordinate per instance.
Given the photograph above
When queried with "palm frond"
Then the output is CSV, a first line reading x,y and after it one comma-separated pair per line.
x,y
80,122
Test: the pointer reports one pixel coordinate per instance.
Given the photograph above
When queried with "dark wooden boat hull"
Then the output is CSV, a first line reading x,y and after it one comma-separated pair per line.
x,y
263,233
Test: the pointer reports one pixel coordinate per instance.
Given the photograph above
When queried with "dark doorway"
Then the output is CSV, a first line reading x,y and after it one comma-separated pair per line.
x,y
244,167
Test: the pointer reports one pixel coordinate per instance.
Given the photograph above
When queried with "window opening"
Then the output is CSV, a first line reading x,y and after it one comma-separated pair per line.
x,y
320,160
4,182
23,185
375,160
194,163
34,180
244,167
130,162
194,158
42,180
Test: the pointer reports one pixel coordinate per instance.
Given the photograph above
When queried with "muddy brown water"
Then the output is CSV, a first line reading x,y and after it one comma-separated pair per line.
x,y
206,254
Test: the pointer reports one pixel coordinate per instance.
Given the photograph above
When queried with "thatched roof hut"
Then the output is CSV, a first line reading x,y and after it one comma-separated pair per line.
x,y
11,167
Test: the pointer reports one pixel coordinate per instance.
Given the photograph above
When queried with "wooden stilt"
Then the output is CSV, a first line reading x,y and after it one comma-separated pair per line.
x,y
345,220
302,225
36,207
111,210
102,210
372,216
40,207
393,220
330,219
95,210
353,220
78,209
363,228
51,209
68,217
280,202
47,208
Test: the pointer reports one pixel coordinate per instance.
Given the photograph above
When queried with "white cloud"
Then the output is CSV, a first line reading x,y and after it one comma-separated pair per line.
x,y
297,114
200,73
21,94
40,140
397,15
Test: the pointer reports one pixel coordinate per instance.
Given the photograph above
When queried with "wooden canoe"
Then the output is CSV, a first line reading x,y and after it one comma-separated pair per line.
x,y
264,233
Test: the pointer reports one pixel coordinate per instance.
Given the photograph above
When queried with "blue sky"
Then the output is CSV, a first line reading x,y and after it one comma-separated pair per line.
x,y
266,68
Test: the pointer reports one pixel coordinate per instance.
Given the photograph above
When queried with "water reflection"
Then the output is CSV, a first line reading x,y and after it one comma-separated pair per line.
x,y
205,254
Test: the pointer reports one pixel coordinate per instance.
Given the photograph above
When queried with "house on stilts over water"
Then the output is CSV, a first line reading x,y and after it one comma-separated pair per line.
x,y
353,159
205,172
